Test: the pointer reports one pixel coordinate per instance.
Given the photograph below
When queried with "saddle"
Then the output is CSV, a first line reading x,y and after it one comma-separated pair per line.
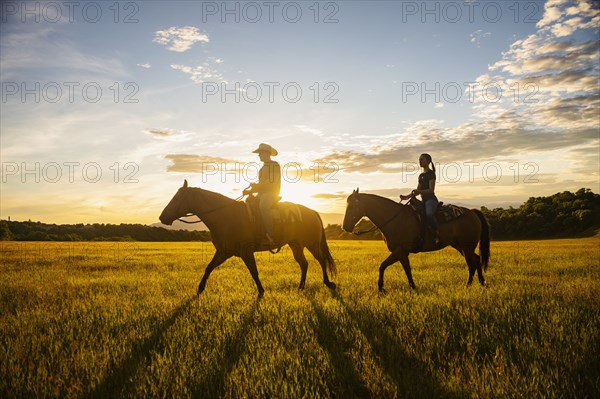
x,y
443,214
281,213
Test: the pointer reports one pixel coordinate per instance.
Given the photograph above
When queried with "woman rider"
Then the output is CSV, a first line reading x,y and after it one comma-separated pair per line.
x,y
426,189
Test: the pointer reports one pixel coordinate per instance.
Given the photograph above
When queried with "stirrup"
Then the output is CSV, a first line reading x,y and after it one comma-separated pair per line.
x,y
273,246
269,240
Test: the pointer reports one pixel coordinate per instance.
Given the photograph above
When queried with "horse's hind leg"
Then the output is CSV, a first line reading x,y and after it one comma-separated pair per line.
x,y
479,269
468,254
320,258
218,258
406,266
298,252
472,261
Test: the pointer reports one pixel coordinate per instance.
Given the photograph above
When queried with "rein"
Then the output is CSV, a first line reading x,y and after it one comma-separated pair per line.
x,y
359,233
212,210
187,215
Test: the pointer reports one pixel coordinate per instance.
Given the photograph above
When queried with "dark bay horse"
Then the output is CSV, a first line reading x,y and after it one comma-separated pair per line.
x,y
233,233
402,231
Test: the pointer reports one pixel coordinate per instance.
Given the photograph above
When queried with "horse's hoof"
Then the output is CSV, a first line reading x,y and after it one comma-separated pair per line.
x,y
331,285
261,294
200,291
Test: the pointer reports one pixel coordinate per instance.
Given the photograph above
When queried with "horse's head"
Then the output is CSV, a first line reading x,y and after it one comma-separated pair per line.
x,y
354,211
178,206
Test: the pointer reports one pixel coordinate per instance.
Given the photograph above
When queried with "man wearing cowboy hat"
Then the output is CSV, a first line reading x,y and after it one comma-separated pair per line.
x,y
268,186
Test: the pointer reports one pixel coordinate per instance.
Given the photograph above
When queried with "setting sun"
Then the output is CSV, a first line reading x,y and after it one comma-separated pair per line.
x,y
299,192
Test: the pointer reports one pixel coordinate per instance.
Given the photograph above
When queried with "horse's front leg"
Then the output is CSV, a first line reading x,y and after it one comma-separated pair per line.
x,y
250,261
218,258
391,259
406,265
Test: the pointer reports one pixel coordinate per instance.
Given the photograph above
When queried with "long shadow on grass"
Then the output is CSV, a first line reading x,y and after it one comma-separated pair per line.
x,y
213,382
114,383
349,382
411,375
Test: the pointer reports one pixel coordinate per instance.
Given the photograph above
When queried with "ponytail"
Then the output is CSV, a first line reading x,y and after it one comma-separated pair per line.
x,y
428,157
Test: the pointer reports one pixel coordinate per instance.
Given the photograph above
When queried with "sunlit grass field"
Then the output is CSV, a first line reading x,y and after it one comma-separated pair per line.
x,y
105,320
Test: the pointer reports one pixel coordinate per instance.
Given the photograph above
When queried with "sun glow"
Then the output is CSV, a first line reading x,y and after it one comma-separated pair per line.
x,y
299,193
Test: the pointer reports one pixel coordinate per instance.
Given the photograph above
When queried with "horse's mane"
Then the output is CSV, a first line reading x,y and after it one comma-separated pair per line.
x,y
379,197
213,195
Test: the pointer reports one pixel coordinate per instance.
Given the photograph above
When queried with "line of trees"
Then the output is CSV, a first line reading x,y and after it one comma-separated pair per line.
x,y
37,231
563,214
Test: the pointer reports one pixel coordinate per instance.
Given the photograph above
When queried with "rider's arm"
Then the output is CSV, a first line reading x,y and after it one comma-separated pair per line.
x,y
430,190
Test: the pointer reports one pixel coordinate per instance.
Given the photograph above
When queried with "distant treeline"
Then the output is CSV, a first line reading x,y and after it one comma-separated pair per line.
x,y
37,231
563,214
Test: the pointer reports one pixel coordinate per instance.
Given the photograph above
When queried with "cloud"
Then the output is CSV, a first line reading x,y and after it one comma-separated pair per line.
x,y
559,62
478,35
213,165
168,132
552,13
145,65
180,39
551,77
310,130
475,141
331,196
196,163
539,55
557,13
201,73
160,133
579,112
47,49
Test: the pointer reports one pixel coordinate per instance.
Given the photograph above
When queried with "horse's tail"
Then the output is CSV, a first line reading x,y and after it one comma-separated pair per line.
x,y
484,240
329,262
324,251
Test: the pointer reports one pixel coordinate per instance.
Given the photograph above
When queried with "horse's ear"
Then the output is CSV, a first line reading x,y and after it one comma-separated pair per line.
x,y
185,183
356,190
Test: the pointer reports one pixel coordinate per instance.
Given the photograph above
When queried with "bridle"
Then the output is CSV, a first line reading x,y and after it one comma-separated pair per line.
x,y
372,229
238,199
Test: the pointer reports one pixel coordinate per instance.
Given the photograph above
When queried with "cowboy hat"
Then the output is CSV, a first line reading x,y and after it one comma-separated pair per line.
x,y
262,147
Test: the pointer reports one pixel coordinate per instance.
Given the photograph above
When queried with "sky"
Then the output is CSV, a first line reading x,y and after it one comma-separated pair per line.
x,y
108,106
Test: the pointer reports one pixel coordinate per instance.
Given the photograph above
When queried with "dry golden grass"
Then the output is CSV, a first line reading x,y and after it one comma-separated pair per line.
x,y
121,319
